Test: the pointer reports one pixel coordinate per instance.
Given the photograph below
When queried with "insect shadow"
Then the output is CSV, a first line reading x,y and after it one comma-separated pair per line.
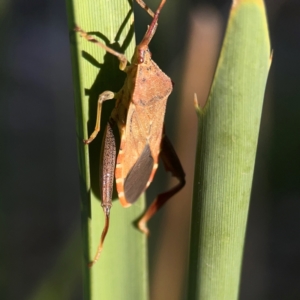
x,y
110,78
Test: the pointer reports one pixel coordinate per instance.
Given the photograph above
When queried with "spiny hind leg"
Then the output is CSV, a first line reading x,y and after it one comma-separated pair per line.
x,y
107,170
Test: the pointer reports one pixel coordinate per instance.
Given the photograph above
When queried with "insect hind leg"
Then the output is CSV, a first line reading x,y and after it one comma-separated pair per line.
x,y
107,170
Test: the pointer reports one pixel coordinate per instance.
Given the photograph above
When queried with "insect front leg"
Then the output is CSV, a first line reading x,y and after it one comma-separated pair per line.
x,y
122,58
173,165
107,170
107,95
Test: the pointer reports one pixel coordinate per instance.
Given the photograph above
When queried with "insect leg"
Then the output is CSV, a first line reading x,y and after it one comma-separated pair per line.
x,y
145,7
107,169
173,165
107,95
122,58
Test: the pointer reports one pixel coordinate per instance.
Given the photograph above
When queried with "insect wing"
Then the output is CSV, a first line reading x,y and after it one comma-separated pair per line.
x,y
139,175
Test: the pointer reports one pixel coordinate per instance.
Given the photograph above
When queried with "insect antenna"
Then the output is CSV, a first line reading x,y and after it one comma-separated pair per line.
x,y
150,32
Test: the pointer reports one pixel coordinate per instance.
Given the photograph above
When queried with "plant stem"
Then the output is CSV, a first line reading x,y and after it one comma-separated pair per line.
x,y
227,142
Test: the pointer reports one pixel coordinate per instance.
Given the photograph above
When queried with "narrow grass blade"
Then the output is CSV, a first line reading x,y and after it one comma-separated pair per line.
x,y
227,142
121,272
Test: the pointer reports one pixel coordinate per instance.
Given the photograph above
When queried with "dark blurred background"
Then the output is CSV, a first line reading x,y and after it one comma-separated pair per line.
x,y
39,204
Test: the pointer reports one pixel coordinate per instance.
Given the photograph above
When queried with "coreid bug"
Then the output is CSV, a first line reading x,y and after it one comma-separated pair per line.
x,y
139,114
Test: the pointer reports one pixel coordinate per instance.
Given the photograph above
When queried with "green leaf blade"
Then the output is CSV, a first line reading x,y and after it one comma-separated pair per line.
x,y
121,272
228,134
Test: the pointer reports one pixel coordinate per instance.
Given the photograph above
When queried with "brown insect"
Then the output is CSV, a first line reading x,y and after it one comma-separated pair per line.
x,y
139,114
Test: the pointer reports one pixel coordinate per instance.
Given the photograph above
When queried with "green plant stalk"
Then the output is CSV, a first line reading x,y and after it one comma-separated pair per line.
x,y
121,272
227,142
